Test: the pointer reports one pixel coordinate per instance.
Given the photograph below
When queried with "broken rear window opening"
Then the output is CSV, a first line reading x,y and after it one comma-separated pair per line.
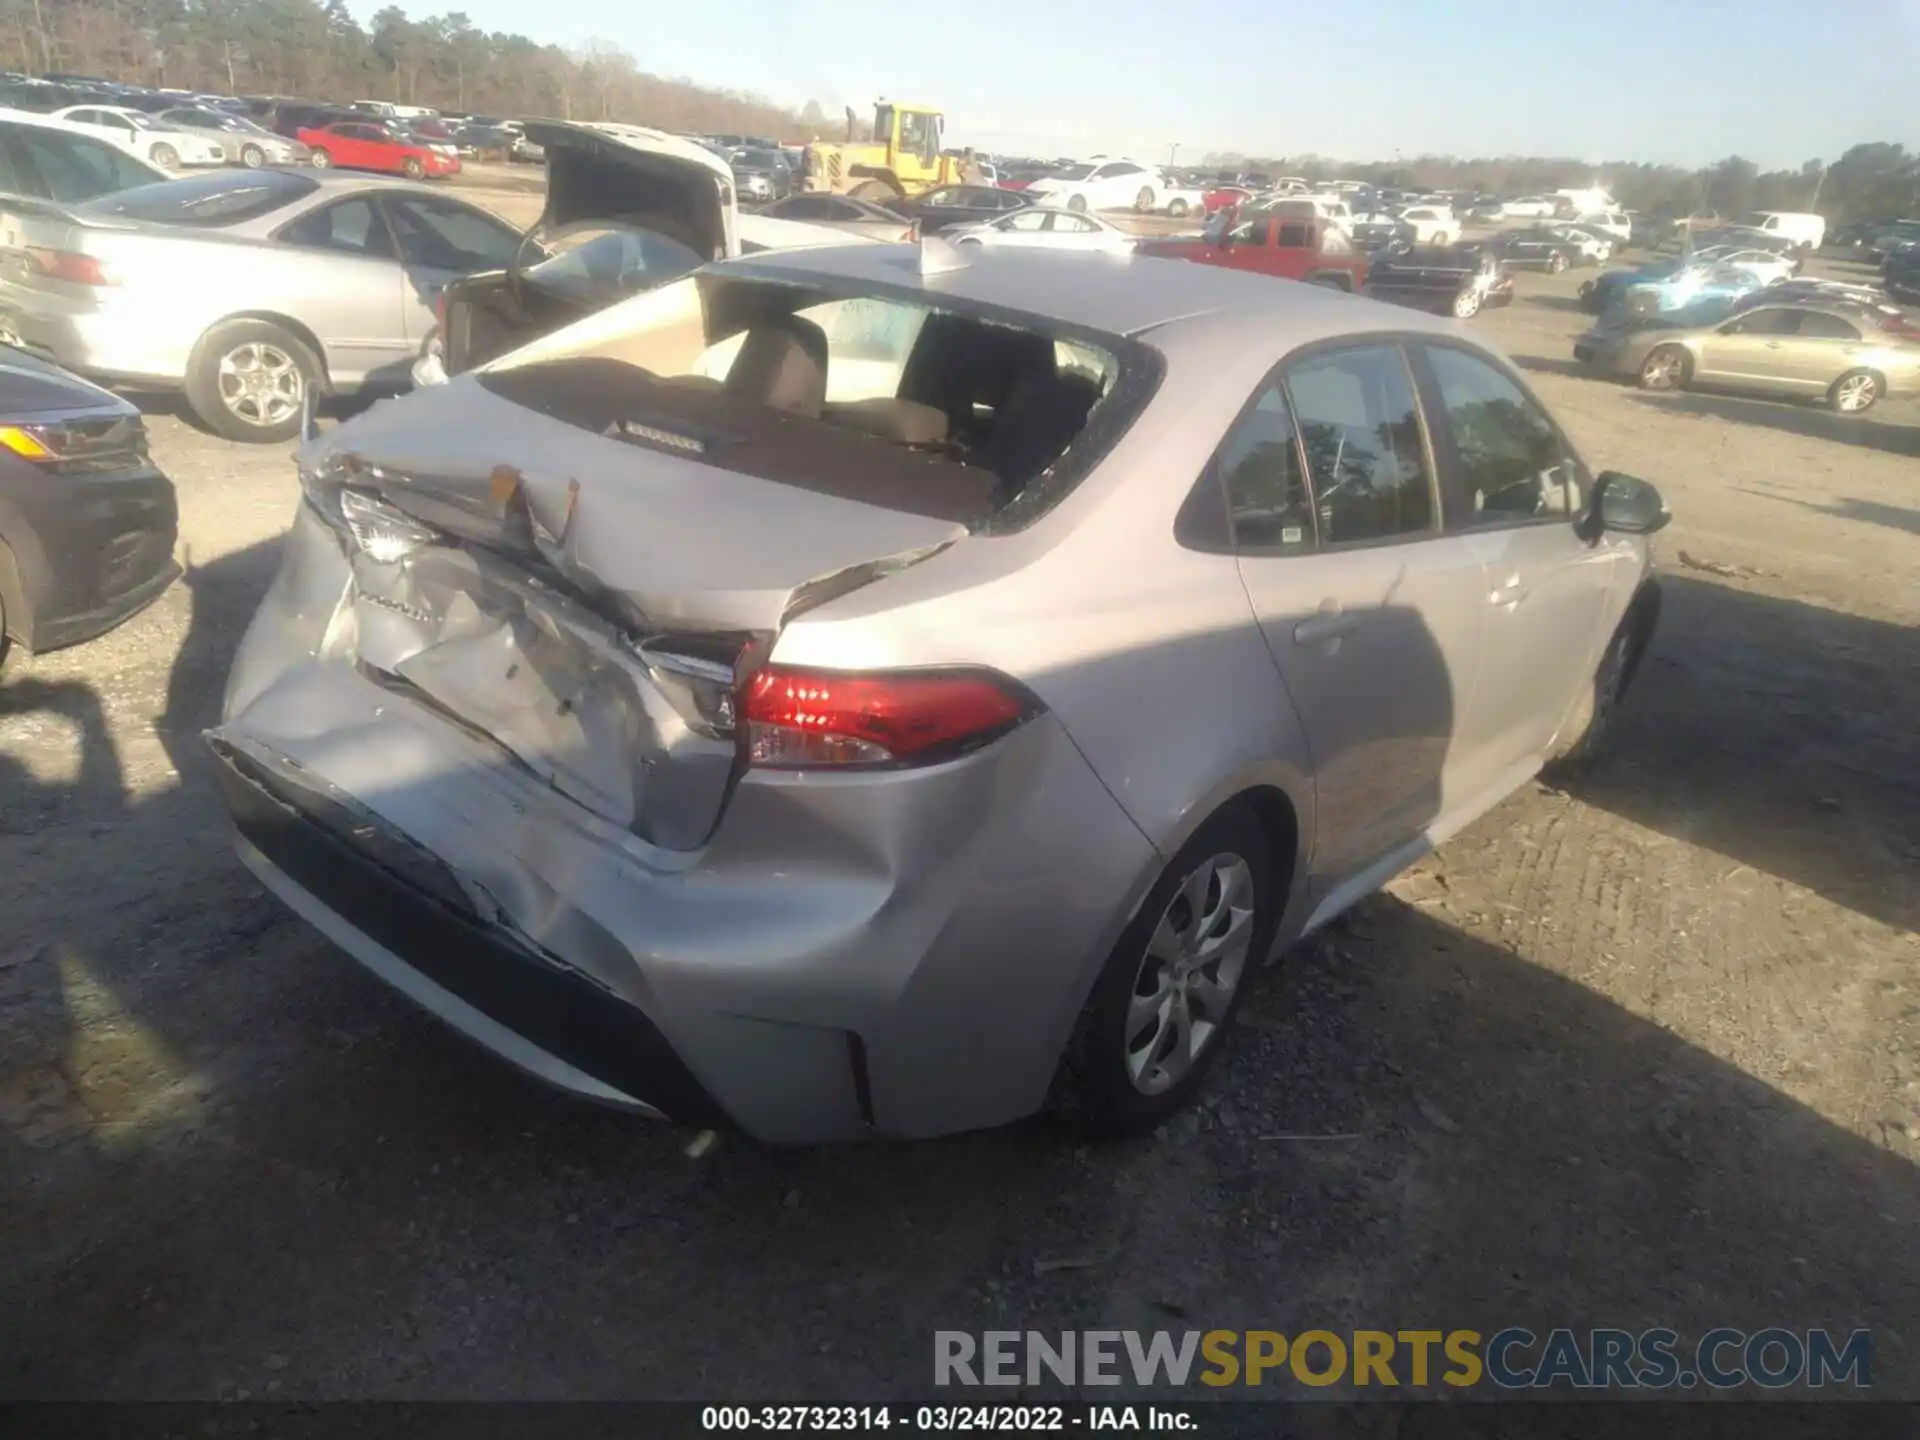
x,y
944,409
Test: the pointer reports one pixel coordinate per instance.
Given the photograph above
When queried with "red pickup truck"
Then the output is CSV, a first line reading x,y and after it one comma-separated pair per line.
x,y
1315,251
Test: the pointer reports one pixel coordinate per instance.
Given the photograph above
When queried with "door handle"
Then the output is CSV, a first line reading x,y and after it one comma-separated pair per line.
x,y
1328,623
1509,594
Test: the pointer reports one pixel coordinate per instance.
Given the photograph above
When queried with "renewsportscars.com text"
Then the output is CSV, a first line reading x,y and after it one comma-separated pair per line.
x,y
1509,1359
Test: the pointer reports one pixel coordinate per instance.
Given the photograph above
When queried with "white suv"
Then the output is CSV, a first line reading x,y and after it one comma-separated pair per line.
x,y
1431,224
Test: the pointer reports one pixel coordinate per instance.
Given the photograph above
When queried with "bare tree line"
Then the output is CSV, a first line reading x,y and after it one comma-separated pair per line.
x,y
315,49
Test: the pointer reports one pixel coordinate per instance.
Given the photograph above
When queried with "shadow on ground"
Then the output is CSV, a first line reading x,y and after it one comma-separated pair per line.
x,y
365,1206
1802,418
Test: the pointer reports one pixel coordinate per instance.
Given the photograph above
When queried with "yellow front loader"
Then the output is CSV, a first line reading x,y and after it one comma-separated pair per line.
x,y
904,157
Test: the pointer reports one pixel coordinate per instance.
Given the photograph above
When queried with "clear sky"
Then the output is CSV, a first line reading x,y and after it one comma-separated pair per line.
x,y
1686,81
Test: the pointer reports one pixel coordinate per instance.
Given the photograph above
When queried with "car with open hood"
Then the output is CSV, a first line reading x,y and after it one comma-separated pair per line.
x,y
627,209
886,690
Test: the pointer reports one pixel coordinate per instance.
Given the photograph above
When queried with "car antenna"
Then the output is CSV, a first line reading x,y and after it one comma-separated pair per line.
x,y
938,257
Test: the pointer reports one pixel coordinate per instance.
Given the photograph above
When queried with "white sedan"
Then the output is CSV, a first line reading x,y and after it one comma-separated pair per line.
x,y
1763,265
1431,224
1597,248
1042,227
1100,184
140,134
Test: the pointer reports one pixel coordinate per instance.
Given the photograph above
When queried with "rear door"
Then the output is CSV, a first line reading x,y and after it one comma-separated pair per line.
x,y
1513,487
361,322
1823,348
440,240
1372,614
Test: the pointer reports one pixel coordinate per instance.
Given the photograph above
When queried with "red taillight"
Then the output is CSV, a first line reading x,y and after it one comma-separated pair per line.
x,y
810,719
67,265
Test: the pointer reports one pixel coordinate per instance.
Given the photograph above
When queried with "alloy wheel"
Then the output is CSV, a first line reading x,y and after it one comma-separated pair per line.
x,y
1855,393
1194,963
261,383
1662,369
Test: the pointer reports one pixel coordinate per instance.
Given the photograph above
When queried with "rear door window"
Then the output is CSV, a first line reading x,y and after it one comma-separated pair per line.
x,y
1268,507
1367,459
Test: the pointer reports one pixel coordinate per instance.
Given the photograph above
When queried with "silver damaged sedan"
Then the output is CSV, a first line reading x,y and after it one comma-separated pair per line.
x,y
891,690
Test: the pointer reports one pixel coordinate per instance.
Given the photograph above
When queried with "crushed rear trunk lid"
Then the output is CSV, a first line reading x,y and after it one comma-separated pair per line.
x,y
586,603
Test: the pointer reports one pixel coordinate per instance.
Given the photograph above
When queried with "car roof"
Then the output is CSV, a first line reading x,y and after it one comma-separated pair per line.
x,y
46,122
1118,294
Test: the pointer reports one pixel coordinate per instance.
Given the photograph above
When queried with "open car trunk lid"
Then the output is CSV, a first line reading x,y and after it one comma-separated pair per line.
x,y
586,600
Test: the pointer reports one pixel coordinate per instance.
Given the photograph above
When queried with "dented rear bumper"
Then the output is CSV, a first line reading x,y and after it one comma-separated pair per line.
x,y
895,953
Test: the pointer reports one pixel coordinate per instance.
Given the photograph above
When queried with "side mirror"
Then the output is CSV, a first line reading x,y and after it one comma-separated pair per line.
x,y
1625,505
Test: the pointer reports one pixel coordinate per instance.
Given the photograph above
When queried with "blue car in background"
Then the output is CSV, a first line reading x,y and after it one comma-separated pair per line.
x,y
1667,285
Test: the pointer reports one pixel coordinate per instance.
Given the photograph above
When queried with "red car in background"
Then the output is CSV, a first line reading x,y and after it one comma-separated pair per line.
x,y
366,145
1226,197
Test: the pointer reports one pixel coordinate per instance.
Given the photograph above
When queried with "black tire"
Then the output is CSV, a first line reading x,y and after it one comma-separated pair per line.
x,y
252,156
1077,204
1329,282
207,382
1094,1089
165,156
1855,392
1143,202
1177,209
320,159
1439,237
1667,367
1584,741
413,167
1556,263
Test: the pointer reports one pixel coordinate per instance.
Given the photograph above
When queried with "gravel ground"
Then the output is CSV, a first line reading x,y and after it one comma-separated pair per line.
x,y
1645,1054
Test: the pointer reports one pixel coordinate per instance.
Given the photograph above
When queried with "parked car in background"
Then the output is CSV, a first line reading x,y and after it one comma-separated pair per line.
x,y
1900,273
1529,207
1765,266
248,289
1431,224
1180,198
1308,248
831,684
1538,247
1840,353
289,117
1589,248
1457,280
760,175
1024,176
1693,281
241,141
1224,197
842,212
949,206
1805,230
52,160
367,145
87,522
1101,185
1043,227
428,133
1613,225
140,134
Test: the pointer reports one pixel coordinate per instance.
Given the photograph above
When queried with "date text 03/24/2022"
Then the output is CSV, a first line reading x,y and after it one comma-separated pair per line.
x,y
943,1419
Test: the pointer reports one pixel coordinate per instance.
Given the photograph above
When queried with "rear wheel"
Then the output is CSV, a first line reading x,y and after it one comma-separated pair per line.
x,y
1177,209
1078,204
1556,263
249,379
165,156
1667,367
1855,392
1466,304
1143,202
1439,237
1155,1019
320,159
415,170
252,156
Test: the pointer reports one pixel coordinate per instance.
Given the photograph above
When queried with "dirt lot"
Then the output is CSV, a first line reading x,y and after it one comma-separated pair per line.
x,y
1643,1055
